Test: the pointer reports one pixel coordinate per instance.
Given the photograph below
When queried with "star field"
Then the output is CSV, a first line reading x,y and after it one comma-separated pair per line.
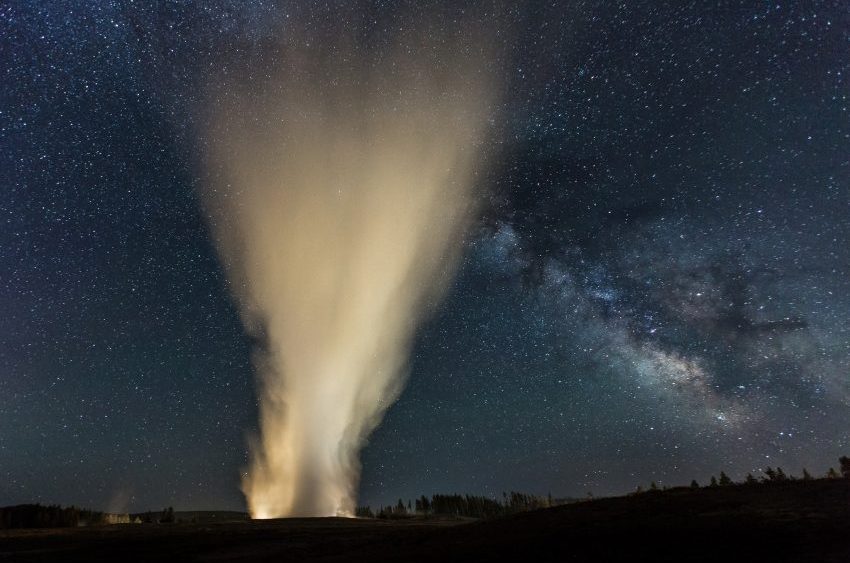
x,y
657,288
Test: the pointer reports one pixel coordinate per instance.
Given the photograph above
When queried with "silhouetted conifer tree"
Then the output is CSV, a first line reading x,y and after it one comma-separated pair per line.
x,y
845,466
167,516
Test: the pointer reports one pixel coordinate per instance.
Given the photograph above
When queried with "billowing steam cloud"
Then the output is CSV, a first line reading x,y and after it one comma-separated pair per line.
x,y
341,187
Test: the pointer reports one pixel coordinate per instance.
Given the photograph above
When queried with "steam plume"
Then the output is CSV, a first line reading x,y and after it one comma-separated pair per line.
x,y
342,185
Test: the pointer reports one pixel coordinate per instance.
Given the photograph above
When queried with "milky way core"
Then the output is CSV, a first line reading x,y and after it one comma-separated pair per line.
x,y
341,186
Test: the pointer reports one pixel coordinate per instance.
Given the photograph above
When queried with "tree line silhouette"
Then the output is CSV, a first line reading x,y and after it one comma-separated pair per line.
x,y
455,505
53,516
166,516
468,506
770,475
472,506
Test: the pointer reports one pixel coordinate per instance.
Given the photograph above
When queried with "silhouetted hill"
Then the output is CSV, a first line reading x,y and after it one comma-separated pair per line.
x,y
792,521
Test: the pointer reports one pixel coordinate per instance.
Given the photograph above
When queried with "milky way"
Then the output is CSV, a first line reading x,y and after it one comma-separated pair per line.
x,y
657,290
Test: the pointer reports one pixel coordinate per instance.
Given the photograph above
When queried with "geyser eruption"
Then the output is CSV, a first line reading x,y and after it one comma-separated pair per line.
x,y
341,185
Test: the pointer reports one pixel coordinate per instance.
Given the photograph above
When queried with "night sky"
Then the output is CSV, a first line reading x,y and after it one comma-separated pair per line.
x,y
658,286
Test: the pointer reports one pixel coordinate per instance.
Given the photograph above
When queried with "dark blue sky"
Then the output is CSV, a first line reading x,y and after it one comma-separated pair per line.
x,y
657,288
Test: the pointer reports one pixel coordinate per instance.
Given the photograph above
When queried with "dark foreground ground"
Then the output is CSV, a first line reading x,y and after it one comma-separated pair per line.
x,y
800,521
